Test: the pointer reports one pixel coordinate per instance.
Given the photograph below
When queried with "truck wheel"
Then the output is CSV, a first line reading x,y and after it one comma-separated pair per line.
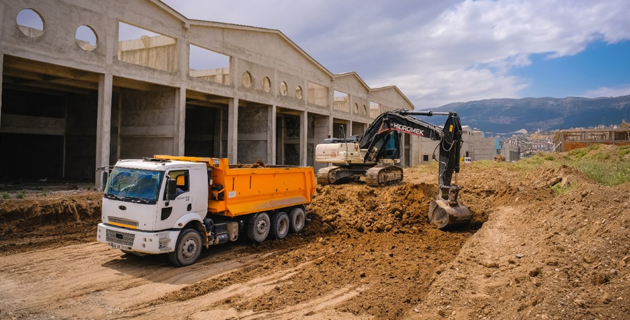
x,y
258,229
298,219
279,225
187,249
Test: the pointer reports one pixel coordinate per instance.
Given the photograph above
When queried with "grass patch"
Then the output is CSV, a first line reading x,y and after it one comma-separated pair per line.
x,y
607,173
559,188
580,153
5,195
623,151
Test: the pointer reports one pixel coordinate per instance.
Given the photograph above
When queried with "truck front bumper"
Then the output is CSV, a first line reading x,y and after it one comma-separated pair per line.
x,y
149,242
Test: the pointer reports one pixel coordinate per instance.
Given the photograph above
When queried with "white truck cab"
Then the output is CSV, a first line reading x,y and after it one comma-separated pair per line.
x,y
137,214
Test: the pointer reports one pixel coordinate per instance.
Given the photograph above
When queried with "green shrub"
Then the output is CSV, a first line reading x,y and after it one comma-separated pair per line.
x,y
6,195
560,188
20,194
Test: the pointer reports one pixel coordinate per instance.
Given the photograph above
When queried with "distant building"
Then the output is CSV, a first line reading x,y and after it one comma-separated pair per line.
x,y
567,140
475,146
510,149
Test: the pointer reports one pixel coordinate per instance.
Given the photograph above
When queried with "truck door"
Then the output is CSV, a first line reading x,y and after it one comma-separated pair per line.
x,y
182,203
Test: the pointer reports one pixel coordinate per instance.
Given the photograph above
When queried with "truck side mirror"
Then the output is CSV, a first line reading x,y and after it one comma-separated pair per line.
x,y
104,177
171,189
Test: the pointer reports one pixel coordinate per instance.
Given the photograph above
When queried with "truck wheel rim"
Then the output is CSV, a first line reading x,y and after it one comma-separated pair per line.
x,y
189,248
299,221
283,226
261,227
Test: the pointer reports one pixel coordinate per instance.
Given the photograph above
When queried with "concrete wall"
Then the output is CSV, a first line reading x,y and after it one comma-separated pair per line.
x,y
80,138
483,148
252,134
147,123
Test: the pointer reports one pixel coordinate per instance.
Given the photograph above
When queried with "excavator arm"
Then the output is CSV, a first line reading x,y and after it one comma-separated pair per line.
x,y
446,208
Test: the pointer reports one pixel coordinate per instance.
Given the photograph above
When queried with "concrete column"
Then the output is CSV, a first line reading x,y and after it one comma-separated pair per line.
x,y
218,133
280,145
180,122
411,149
403,161
349,131
303,137
103,122
271,135
232,147
1,71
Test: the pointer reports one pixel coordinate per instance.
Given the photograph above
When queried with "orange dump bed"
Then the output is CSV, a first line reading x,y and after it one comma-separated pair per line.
x,y
251,188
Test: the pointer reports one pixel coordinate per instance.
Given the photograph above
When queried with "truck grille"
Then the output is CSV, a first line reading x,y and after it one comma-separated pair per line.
x,y
123,221
120,237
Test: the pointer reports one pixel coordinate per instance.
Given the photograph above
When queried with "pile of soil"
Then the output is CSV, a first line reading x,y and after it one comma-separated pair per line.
x,y
43,220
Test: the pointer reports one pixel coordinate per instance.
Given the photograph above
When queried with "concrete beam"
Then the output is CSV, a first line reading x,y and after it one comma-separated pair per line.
x,y
103,122
303,137
232,147
271,135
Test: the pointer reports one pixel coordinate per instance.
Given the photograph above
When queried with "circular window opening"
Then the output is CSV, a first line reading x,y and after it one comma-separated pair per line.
x,y
298,92
30,22
283,88
356,108
247,80
86,38
266,84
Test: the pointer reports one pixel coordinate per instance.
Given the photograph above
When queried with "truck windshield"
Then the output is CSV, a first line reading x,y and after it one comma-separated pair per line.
x,y
134,185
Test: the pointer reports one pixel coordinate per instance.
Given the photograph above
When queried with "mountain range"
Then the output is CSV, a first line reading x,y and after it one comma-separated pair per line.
x,y
509,115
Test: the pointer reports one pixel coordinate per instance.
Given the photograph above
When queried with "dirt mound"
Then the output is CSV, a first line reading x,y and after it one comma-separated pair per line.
x,y
29,223
559,254
348,208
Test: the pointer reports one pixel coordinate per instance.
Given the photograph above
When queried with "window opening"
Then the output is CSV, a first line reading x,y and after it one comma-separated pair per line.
x,y
146,48
86,38
209,65
341,101
30,22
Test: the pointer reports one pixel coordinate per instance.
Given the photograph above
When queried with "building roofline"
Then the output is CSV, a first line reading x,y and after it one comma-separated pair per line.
x,y
356,75
172,11
399,92
188,22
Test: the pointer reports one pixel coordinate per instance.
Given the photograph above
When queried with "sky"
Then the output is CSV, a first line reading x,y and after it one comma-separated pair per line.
x,y
438,52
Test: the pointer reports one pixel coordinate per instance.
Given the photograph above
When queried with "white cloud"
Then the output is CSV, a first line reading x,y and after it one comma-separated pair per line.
x,y
609,92
436,51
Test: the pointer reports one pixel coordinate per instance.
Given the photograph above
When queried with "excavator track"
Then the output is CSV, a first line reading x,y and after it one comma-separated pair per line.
x,y
323,175
384,175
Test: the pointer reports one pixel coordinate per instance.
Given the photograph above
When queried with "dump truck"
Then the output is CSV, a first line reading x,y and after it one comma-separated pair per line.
x,y
177,205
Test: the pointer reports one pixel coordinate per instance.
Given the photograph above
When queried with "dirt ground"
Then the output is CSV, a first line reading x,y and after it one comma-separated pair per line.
x,y
367,253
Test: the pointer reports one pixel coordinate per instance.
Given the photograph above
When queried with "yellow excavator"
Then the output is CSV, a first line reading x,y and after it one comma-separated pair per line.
x,y
375,156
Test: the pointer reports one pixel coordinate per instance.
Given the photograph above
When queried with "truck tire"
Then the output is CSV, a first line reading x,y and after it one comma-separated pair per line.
x,y
297,217
187,249
258,228
280,225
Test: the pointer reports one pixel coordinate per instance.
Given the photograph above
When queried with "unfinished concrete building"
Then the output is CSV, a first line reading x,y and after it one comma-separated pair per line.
x,y
567,140
87,82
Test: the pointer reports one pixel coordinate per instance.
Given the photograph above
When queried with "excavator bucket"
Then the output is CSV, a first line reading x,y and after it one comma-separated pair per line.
x,y
442,213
